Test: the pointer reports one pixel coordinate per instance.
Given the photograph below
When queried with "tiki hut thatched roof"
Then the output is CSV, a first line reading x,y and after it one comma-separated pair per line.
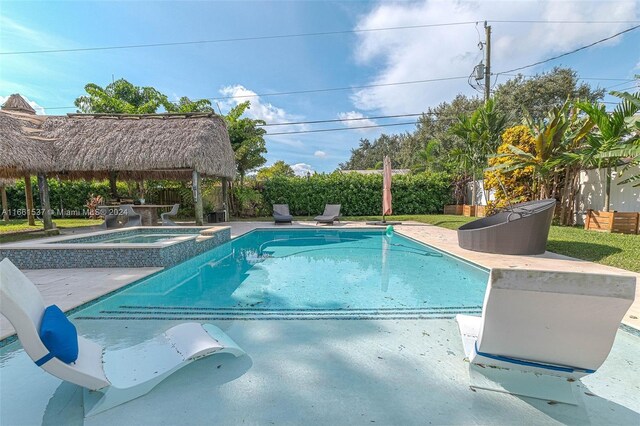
x,y
18,104
161,146
21,153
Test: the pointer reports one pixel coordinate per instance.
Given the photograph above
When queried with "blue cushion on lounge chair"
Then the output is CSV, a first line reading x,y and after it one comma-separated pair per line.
x,y
59,335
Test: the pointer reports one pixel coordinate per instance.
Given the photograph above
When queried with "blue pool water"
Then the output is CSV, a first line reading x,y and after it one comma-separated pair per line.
x,y
304,274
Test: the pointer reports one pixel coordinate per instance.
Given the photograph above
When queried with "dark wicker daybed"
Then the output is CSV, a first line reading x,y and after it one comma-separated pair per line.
x,y
520,229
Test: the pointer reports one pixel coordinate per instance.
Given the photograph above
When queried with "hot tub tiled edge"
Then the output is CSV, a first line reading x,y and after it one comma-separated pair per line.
x,y
125,257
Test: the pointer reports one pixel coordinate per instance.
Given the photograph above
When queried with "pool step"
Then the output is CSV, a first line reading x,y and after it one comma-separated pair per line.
x,y
247,314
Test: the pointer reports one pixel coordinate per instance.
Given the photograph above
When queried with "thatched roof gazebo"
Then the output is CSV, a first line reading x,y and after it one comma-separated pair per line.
x,y
149,146
22,155
17,103
165,146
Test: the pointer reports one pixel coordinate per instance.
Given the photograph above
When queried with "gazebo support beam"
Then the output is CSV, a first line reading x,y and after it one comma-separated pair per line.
x,y
43,187
225,198
5,204
29,198
197,197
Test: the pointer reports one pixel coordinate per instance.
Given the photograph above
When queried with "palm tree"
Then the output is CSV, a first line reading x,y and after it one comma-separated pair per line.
x,y
613,138
481,135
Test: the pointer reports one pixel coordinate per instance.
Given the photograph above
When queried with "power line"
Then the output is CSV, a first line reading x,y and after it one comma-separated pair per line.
x,y
341,128
299,35
339,120
511,21
579,78
296,92
228,40
573,51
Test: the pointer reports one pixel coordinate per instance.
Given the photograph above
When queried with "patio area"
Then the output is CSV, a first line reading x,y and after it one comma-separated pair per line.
x,y
330,371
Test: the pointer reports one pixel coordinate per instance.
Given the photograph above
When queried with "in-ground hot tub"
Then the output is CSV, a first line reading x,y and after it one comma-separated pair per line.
x,y
134,247
521,229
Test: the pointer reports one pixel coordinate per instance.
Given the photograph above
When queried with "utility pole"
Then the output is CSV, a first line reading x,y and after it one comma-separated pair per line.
x,y
487,70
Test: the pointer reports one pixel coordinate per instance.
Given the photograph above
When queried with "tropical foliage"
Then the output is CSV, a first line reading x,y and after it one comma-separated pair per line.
x,y
515,185
247,140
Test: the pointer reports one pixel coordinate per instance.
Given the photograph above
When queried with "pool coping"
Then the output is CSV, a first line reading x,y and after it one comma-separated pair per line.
x,y
57,242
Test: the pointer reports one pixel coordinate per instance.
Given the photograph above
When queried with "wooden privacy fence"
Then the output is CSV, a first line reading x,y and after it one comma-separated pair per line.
x,y
166,196
620,222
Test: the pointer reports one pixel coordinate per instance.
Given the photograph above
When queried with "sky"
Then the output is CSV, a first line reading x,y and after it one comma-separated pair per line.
x,y
353,56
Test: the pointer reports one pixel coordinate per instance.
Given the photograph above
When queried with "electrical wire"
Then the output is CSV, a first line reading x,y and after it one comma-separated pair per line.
x,y
297,92
336,129
299,35
337,120
228,40
572,51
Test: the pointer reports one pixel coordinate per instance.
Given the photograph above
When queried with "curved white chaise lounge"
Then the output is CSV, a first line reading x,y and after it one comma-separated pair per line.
x,y
538,326
114,377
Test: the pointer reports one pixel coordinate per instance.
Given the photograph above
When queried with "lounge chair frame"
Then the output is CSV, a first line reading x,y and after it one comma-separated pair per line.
x,y
331,214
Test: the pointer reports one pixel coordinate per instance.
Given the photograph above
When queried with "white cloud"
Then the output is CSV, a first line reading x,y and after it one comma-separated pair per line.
x,y
320,154
301,169
39,109
355,119
436,52
266,111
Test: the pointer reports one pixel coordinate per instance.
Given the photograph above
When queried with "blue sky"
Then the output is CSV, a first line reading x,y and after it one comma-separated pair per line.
x,y
239,68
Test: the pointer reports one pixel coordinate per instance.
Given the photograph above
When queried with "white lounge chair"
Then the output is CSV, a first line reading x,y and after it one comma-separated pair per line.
x,y
165,216
540,326
114,377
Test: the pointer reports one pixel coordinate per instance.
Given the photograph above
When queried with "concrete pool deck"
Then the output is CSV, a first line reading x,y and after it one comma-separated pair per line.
x,y
68,287
365,372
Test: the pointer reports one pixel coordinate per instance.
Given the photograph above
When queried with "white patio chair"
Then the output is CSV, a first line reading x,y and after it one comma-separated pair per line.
x,y
114,377
165,216
538,326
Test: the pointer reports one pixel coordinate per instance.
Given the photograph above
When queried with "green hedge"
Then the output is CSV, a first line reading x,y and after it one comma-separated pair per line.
x,y
360,195
70,196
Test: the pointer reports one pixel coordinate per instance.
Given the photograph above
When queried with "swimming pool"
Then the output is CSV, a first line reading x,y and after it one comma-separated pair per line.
x,y
304,274
284,296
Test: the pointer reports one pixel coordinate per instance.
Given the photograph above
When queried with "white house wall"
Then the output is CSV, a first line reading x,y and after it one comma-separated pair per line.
x,y
624,198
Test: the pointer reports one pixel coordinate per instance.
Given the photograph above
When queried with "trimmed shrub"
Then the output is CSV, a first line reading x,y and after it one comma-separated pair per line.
x,y
359,195
65,196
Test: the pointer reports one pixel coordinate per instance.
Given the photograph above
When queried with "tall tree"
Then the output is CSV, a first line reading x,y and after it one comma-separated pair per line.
x,y
247,140
369,154
186,105
279,168
121,97
537,95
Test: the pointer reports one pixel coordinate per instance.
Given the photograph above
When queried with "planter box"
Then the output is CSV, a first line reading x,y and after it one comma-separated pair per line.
x,y
453,209
619,222
469,210
480,211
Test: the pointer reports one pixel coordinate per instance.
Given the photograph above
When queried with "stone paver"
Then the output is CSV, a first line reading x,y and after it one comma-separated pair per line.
x,y
69,288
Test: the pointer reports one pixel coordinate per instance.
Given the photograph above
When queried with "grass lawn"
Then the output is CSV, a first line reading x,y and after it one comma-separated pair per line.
x,y
618,250
17,229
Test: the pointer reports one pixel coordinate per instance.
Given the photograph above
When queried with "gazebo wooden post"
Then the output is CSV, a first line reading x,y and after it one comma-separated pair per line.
x,y
197,197
29,198
43,187
225,198
5,204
